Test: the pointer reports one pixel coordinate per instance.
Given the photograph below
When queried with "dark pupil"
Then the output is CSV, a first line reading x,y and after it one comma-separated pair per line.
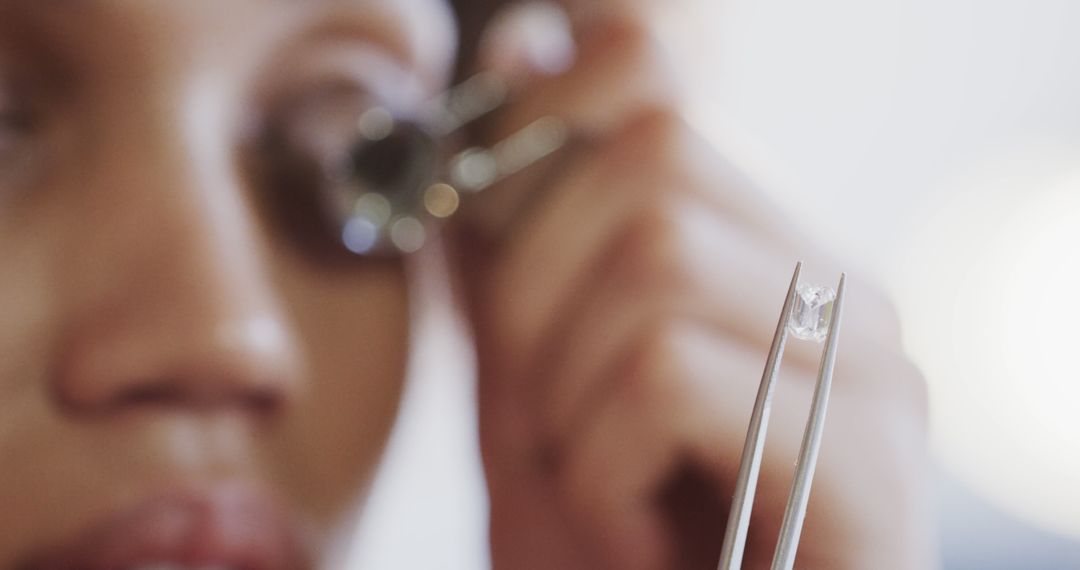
x,y
313,196
398,165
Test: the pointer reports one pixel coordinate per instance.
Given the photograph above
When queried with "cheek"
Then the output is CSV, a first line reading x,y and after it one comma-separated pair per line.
x,y
353,330
29,311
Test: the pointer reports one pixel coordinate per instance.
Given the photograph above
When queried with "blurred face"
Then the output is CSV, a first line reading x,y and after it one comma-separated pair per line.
x,y
192,370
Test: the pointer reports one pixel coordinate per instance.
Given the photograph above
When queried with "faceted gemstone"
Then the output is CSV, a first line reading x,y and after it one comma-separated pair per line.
x,y
811,312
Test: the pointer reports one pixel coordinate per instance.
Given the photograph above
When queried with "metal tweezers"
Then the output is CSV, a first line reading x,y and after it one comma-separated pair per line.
x,y
739,519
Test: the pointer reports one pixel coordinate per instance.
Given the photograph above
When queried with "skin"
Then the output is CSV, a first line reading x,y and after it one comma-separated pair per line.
x,y
173,330
169,334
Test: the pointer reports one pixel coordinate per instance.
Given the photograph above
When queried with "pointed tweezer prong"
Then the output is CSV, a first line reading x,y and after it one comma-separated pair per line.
x,y
790,530
746,485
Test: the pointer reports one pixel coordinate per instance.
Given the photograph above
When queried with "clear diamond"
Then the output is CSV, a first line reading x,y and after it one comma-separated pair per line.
x,y
811,312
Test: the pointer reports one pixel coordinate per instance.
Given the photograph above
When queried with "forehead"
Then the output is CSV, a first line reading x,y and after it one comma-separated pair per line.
x,y
423,33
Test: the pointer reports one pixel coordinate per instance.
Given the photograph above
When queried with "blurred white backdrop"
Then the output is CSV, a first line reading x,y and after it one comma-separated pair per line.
x,y
935,142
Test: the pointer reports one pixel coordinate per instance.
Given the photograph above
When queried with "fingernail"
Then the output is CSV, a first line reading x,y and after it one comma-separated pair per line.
x,y
534,35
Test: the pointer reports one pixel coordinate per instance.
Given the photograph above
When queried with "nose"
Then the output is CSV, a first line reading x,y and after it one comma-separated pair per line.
x,y
223,363
170,305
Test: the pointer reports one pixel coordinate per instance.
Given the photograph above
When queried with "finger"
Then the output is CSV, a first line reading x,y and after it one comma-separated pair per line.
x,y
634,179
618,75
673,403
677,267
621,68
654,250
576,220
621,307
528,39
607,486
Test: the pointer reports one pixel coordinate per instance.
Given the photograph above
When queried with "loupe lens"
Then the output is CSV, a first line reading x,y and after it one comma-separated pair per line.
x,y
380,189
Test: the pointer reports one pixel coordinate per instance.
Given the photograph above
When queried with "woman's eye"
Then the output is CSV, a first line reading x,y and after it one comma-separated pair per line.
x,y
342,173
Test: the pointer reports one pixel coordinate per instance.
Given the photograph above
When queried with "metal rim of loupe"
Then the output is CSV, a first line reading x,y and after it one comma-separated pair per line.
x,y
386,213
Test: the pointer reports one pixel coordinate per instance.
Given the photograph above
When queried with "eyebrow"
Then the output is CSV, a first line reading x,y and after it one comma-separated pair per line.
x,y
348,24
387,24
346,19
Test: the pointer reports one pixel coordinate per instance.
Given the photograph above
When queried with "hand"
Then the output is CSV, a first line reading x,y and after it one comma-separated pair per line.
x,y
623,295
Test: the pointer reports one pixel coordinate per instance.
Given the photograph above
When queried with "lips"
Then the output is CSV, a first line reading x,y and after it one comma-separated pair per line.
x,y
226,528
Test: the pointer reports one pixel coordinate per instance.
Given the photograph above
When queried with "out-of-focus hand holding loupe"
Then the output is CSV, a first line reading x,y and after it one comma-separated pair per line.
x,y
401,177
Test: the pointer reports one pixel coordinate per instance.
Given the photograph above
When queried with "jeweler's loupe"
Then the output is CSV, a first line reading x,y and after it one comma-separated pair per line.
x,y
401,177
